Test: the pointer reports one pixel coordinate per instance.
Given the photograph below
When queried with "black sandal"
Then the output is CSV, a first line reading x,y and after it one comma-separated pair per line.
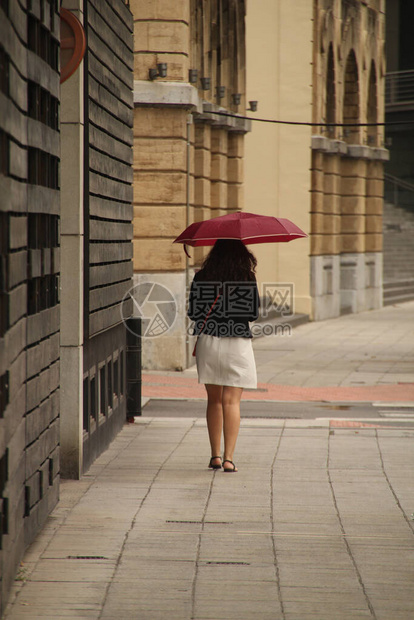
x,y
229,471
211,466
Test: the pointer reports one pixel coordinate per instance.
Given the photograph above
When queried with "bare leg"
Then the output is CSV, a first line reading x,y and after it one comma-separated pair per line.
x,y
231,420
215,418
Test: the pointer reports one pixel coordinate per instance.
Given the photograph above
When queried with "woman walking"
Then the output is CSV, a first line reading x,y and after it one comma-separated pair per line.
x,y
223,299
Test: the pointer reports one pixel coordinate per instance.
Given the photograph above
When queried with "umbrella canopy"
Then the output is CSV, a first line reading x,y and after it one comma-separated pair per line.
x,y
247,227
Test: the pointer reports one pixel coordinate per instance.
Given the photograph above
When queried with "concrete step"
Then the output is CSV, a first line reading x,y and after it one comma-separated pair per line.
x,y
398,299
277,321
408,283
398,291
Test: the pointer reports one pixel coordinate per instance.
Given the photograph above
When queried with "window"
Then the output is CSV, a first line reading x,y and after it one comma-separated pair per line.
x,y
102,391
93,409
41,42
43,231
42,106
33,33
4,153
4,392
4,298
43,290
4,72
116,377
4,4
121,373
51,472
110,392
43,168
86,404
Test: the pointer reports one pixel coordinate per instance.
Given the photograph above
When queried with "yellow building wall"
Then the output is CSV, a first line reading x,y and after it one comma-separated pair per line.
x,y
277,157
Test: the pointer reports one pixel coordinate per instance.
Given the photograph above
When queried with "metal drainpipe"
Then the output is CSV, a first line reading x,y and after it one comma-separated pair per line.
x,y
187,220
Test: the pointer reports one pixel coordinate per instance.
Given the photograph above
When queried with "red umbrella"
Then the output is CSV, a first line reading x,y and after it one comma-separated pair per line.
x,y
247,227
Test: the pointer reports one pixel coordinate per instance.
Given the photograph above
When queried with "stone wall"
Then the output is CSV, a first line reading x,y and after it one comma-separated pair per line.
x,y
29,276
97,118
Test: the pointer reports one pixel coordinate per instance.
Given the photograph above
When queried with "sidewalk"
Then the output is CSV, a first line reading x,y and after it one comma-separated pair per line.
x,y
359,357
316,525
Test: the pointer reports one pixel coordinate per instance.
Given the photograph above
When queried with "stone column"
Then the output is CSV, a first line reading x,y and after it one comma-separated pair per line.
x,y
160,199
202,182
218,177
235,171
326,225
353,234
71,284
373,234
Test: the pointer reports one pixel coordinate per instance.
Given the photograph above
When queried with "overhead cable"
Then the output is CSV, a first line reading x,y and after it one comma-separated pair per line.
x,y
306,124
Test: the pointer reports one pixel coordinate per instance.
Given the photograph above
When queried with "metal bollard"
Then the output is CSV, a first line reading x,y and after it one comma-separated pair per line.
x,y
133,368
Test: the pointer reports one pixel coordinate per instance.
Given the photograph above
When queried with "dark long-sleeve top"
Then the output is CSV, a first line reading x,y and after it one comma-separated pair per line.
x,y
237,304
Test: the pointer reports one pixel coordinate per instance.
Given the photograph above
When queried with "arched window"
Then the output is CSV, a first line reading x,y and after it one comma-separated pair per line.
x,y
372,133
351,100
330,114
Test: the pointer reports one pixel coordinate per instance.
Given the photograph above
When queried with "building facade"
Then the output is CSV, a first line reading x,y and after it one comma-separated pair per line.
x,y
96,233
347,163
328,66
316,64
188,162
65,254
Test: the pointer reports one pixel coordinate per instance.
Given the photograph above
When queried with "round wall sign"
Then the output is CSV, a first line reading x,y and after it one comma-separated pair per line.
x,y
72,44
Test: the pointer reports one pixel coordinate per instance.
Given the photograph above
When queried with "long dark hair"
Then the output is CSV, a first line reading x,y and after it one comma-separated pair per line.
x,y
229,261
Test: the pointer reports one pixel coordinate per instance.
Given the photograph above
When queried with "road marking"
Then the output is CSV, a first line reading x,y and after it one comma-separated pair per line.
x,y
399,405
396,414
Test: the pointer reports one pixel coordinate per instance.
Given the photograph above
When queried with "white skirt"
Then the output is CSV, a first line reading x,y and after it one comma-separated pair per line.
x,y
226,361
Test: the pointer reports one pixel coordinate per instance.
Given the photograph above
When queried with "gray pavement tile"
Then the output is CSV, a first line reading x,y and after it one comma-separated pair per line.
x,y
376,530
306,529
39,613
333,615
169,547
252,572
315,515
343,598
129,602
247,549
319,561
82,544
236,614
68,570
244,513
121,609
147,615
220,609
322,610
131,570
158,592
314,577
394,603
223,591
305,548
237,526
67,595
386,614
